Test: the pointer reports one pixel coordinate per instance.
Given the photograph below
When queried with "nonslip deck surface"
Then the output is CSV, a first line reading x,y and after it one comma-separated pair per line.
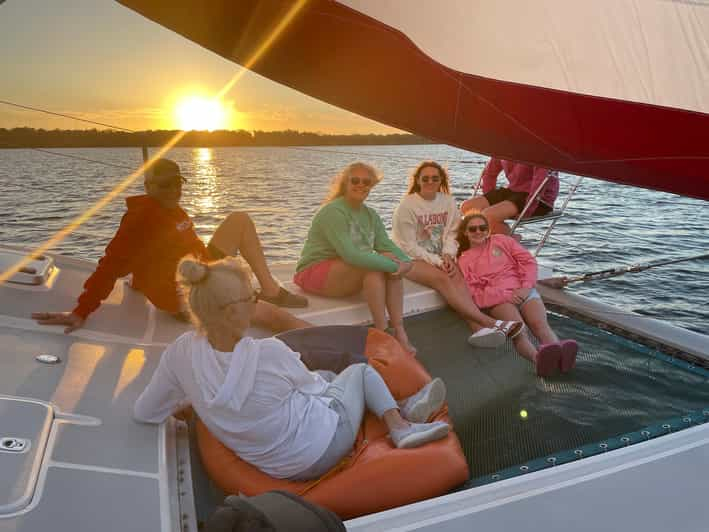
x,y
506,416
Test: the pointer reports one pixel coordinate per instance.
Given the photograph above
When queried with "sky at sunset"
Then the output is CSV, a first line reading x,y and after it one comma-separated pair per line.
x,y
101,61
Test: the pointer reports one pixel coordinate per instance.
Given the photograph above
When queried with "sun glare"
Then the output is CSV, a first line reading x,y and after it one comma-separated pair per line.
x,y
198,113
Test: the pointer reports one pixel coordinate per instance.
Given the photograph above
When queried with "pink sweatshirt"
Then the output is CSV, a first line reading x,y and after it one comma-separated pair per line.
x,y
495,269
522,178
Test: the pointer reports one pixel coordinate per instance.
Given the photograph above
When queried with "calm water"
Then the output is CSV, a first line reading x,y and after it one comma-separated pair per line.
x,y
607,225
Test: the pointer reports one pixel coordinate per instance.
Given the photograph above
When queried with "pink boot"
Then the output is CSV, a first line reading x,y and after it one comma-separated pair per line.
x,y
548,359
569,348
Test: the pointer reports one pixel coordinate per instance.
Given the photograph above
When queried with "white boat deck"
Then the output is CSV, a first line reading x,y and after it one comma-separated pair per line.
x,y
91,467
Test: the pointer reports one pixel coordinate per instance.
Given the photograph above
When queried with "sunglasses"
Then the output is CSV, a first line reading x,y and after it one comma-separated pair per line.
x,y
253,298
476,228
173,182
366,181
431,178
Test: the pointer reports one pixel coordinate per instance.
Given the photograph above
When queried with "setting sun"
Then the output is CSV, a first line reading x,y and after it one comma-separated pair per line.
x,y
199,113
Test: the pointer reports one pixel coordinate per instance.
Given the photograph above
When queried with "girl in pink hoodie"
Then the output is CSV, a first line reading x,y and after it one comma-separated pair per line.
x,y
501,275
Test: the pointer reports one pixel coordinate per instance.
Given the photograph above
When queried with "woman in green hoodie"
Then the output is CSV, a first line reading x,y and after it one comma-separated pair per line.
x,y
348,250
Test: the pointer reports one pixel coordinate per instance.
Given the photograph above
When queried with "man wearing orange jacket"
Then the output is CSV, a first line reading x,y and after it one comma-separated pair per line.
x,y
155,233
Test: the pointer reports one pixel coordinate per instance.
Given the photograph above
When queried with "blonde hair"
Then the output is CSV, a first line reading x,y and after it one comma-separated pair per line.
x,y
207,288
415,186
338,186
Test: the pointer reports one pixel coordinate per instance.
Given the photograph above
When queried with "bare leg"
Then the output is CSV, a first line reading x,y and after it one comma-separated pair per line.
x,y
237,233
498,213
379,292
453,290
343,280
374,290
535,316
507,311
276,319
474,204
395,306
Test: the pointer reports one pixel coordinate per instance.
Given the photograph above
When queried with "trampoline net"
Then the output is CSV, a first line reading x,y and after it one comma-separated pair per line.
x,y
511,422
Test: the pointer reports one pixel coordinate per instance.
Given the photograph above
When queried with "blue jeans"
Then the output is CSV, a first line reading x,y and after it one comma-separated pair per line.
x,y
357,387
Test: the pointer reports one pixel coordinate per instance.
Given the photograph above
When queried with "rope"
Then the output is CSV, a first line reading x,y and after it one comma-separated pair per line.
x,y
616,272
27,107
68,156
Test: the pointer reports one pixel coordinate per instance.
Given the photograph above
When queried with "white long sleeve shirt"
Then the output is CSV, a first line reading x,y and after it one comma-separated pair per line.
x,y
426,229
259,400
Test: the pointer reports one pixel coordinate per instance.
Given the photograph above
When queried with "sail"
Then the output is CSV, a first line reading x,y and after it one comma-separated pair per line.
x,y
612,89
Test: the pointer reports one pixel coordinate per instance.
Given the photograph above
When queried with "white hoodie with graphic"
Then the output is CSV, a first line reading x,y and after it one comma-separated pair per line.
x,y
426,229
259,400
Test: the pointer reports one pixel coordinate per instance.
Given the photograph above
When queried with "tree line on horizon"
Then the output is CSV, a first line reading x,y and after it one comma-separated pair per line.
x,y
26,137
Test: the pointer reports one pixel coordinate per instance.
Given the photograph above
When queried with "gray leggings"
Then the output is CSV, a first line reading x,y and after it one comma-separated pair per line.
x,y
359,385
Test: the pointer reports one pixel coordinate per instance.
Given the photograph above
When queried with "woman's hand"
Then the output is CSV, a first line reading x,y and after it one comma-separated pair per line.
x,y
403,269
520,295
450,266
185,414
71,320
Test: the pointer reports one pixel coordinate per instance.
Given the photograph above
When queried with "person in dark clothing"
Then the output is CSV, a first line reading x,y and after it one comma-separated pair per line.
x,y
154,234
499,204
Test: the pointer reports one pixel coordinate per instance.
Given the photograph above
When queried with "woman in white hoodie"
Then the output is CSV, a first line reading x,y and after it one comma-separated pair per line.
x,y
258,398
424,227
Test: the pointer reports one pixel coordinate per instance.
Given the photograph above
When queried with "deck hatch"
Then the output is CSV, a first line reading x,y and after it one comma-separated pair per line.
x,y
23,436
36,272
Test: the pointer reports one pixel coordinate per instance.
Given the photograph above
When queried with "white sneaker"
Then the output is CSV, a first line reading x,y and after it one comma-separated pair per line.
x,y
428,400
487,338
418,434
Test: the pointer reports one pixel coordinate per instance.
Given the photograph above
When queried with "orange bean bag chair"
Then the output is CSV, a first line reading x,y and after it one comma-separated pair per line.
x,y
376,476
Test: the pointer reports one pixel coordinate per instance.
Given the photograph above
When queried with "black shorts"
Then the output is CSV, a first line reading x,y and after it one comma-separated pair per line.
x,y
518,198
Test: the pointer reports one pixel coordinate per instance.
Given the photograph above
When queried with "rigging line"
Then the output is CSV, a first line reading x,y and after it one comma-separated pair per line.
x,y
387,155
27,107
68,156
616,272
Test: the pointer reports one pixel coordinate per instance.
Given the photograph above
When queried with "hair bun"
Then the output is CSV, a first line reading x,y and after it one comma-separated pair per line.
x,y
193,271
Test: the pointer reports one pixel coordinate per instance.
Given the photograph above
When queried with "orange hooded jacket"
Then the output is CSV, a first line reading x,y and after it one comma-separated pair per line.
x,y
149,243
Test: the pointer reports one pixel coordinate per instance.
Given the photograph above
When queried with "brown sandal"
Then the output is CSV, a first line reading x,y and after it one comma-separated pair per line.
x,y
284,298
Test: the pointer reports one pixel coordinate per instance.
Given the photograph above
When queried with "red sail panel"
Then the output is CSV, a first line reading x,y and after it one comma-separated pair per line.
x,y
356,62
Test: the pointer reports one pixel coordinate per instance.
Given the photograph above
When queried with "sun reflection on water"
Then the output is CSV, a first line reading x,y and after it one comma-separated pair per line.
x,y
205,182
203,155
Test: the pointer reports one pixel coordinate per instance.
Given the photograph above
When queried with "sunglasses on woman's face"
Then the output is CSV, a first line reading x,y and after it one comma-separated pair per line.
x,y
431,178
366,181
476,228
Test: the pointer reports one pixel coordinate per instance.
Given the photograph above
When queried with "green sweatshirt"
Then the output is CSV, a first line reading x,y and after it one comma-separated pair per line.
x,y
355,236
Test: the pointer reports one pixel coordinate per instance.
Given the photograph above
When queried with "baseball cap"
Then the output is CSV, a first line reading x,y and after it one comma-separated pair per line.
x,y
163,168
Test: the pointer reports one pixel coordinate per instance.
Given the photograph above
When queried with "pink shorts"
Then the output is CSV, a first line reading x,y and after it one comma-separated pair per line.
x,y
313,278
